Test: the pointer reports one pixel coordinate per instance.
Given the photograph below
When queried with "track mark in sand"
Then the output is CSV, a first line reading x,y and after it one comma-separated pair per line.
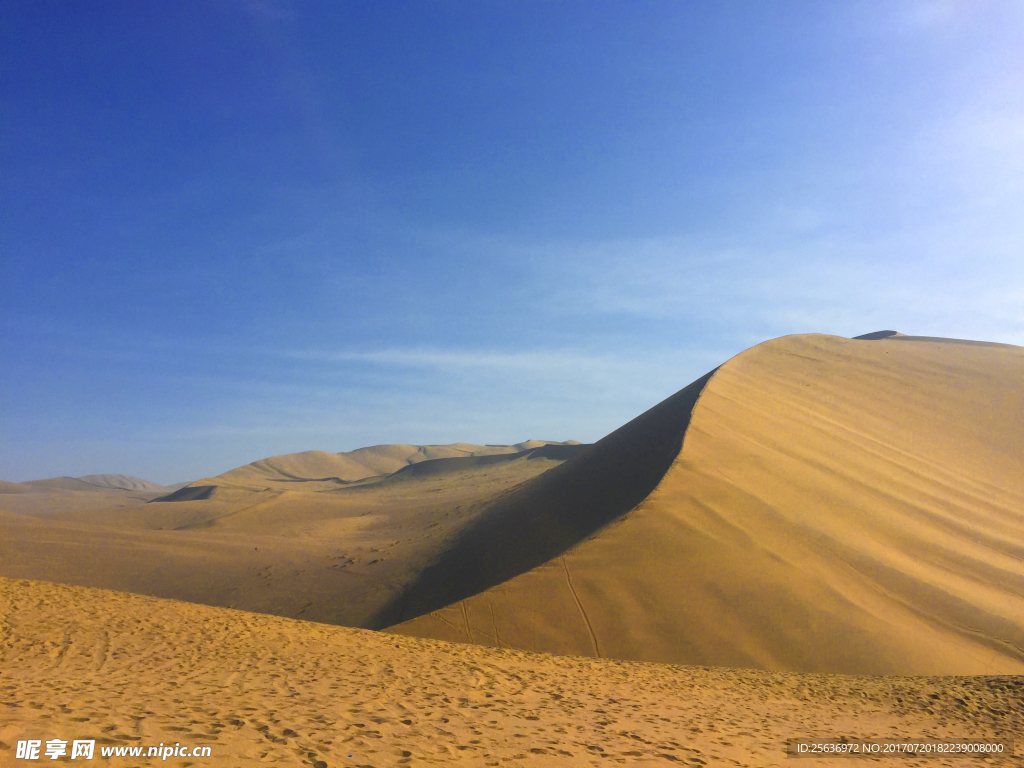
x,y
494,625
100,651
579,606
465,616
437,615
62,651
6,627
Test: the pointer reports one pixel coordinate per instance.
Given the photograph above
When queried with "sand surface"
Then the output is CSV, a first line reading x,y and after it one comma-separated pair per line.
x,y
837,505
128,670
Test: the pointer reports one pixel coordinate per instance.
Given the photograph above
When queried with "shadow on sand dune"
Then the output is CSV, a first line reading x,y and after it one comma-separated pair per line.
x,y
544,517
555,452
189,493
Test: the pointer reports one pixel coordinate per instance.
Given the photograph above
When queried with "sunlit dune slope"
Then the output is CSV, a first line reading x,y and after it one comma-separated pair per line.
x,y
132,671
837,505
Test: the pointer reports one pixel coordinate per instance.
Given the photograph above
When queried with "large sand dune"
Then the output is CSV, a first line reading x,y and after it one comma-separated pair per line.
x,y
815,504
836,505
130,671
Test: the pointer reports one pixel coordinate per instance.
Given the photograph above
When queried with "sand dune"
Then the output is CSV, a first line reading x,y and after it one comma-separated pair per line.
x,y
190,493
63,484
555,451
8,487
132,671
338,553
282,472
87,483
541,519
126,482
816,504
837,505
59,497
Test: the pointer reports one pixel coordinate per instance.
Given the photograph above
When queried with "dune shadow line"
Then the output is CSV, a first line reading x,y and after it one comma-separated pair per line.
x,y
543,517
874,335
457,463
188,493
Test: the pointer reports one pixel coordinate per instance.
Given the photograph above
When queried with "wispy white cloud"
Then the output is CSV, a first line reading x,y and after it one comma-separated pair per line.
x,y
528,362
927,14
963,278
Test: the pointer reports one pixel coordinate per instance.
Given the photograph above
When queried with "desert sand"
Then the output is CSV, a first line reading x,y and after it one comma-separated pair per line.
x,y
837,505
127,670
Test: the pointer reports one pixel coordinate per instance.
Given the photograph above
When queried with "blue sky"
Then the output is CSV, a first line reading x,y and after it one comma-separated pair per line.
x,y
238,229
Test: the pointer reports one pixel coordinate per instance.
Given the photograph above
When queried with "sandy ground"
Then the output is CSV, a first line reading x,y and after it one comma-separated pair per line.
x,y
836,506
79,663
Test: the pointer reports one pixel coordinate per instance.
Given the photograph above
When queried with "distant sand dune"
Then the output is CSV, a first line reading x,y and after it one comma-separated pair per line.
x,y
837,506
189,493
280,472
13,488
555,451
63,484
311,548
124,482
93,483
